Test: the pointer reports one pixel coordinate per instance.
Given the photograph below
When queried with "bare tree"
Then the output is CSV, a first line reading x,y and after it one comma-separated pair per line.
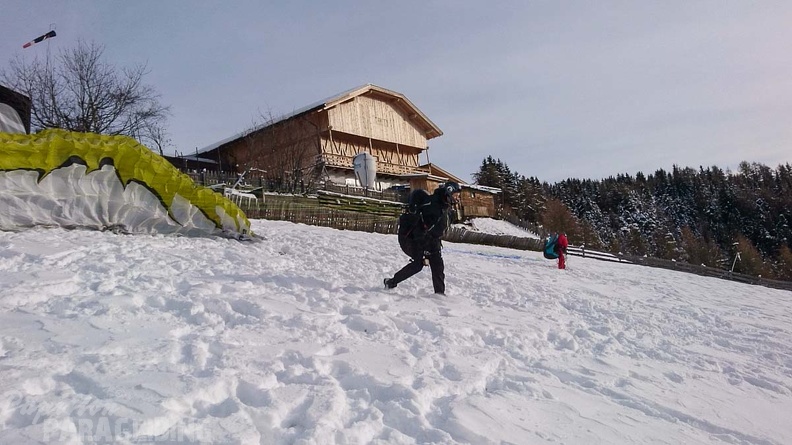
x,y
153,135
285,150
558,218
81,92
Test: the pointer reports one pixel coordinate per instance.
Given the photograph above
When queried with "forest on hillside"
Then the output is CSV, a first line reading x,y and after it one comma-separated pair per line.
x,y
700,216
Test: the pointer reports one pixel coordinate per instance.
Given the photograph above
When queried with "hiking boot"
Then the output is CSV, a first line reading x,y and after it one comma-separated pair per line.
x,y
389,284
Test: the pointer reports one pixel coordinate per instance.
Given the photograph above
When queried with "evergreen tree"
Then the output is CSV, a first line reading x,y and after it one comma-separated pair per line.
x,y
635,242
686,214
588,237
488,173
665,245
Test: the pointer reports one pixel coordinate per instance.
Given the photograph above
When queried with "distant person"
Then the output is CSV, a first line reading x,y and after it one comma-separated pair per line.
x,y
555,247
561,248
420,231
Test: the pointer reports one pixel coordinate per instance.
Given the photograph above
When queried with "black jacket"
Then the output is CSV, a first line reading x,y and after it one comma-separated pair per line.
x,y
422,231
435,221
435,215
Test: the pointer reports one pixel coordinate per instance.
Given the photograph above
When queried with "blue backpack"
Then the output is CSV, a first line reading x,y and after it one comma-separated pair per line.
x,y
549,251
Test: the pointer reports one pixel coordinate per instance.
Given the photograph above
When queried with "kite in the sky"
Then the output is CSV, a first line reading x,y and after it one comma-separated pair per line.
x,y
39,39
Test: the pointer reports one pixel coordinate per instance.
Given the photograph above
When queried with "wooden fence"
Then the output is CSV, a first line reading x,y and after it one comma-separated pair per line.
x,y
710,272
593,254
457,235
359,204
682,267
351,190
315,215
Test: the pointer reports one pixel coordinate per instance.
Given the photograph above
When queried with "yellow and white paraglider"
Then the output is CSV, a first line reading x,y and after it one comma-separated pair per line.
x,y
85,180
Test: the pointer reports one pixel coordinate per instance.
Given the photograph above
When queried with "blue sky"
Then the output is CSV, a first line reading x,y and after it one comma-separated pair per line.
x,y
554,89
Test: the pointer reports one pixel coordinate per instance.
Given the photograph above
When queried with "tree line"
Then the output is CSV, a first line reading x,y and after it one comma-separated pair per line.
x,y
700,216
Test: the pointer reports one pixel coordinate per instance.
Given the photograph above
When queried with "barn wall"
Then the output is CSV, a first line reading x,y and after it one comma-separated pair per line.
x,y
283,147
377,119
477,203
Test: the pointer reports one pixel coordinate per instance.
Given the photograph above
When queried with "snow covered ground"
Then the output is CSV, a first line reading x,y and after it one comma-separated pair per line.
x,y
108,338
498,227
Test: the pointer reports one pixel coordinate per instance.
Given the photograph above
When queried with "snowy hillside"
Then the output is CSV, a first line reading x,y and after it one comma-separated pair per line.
x,y
108,338
497,227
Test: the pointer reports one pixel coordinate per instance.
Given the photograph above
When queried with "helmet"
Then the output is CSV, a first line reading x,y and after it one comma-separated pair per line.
x,y
448,190
451,187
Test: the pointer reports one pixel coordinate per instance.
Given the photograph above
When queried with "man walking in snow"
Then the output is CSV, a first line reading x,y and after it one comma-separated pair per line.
x,y
425,241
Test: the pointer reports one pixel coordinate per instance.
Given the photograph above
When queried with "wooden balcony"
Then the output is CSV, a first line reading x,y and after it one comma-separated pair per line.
x,y
340,161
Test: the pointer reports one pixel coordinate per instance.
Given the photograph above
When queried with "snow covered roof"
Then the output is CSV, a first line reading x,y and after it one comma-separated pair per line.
x,y
483,188
424,175
193,158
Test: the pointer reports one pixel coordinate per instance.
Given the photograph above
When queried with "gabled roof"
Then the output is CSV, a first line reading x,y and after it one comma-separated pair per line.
x,y
400,101
435,170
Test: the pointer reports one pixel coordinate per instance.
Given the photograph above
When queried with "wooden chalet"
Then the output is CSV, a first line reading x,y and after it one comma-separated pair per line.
x,y
316,145
318,142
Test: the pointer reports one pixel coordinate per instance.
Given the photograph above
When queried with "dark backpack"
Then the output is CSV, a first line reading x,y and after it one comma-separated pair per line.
x,y
411,228
549,251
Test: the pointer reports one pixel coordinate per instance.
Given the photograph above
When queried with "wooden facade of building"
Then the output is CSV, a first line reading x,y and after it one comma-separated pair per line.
x,y
317,144
479,201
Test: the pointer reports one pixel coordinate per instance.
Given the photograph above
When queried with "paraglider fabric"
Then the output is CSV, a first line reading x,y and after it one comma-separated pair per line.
x,y
85,180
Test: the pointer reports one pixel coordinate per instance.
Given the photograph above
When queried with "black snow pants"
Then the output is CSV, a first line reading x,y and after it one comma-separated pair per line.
x,y
435,257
